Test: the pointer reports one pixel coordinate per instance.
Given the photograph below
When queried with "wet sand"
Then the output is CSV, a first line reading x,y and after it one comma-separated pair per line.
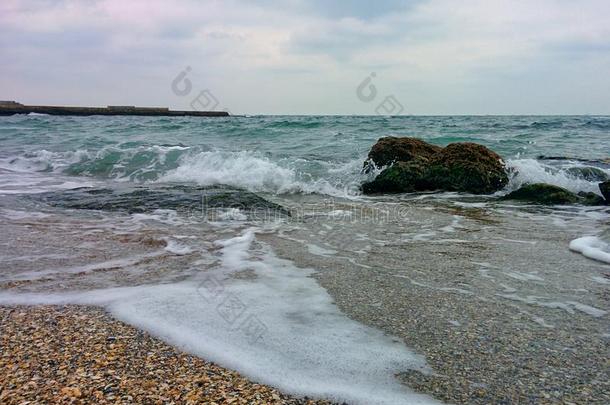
x,y
502,311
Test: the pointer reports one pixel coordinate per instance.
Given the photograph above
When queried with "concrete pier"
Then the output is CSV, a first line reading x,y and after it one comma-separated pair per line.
x,y
12,107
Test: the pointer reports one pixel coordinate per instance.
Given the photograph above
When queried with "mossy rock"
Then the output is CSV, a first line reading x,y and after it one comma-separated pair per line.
x,y
588,173
392,149
468,167
589,198
178,197
547,194
402,177
605,189
419,166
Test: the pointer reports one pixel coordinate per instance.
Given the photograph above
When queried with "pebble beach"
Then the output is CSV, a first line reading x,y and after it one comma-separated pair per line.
x,y
80,355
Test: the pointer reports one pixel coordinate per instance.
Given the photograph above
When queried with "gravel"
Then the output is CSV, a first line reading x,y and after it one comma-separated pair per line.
x,y
79,355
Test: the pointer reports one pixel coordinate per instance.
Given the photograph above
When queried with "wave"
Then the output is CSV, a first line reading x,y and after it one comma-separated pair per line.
x,y
257,173
140,163
116,162
249,170
43,161
525,171
295,124
254,171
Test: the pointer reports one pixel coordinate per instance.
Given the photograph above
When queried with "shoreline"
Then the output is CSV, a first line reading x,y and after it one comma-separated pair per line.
x,y
80,354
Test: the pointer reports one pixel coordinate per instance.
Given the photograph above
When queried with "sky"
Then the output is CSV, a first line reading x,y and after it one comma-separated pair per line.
x,y
434,57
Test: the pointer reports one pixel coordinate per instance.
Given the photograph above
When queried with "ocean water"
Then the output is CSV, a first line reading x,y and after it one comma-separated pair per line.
x,y
132,213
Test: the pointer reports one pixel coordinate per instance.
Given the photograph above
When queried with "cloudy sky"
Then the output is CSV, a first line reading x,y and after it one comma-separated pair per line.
x,y
311,57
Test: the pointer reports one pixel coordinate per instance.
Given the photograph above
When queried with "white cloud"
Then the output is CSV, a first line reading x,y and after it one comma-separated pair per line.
x,y
437,56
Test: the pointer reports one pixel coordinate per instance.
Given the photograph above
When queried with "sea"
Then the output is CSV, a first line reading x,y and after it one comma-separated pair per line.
x,y
240,239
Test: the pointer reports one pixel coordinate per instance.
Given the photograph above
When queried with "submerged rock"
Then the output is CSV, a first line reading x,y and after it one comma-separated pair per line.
x,y
140,198
392,149
590,198
419,166
594,161
548,194
588,173
605,189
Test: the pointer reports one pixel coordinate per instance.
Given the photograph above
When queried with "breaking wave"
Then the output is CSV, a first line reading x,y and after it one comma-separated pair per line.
x,y
525,171
258,173
255,171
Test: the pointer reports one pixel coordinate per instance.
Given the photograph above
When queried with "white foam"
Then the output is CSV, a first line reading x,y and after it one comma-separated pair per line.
x,y
18,182
517,275
278,327
568,306
177,248
43,160
533,171
455,224
257,173
320,251
232,214
542,322
344,214
165,216
592,247
587,309
600,280
18,215
87,268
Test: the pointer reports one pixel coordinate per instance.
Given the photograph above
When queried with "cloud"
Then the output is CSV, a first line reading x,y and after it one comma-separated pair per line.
x,y
436,56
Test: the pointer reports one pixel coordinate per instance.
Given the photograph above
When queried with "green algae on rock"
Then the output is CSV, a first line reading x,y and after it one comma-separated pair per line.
x,y
139,199
469,167
402,177
392,149
419,166
547,194
605,189
587,173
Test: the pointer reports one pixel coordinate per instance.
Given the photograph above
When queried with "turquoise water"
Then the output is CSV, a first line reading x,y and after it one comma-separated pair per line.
x,y
107,211
277,154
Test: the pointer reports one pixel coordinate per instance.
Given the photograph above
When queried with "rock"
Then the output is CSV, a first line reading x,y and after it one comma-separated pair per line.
x,y
392,149
469,167
547,194
605,189
591,198
181,198
603,161
420,166
402,177
588,173
72,392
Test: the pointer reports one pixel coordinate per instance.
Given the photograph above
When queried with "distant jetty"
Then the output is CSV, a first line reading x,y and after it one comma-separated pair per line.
x,y
12,107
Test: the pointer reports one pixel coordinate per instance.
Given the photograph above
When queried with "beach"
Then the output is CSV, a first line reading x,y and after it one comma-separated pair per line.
x,y
150,259
81,355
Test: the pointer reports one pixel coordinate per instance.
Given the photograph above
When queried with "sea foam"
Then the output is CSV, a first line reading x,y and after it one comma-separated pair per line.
x,y
592,247
256,173
274,324
534,171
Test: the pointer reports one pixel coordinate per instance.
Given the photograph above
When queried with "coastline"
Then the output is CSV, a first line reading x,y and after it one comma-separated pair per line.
x,y
78,354
485,294
17,108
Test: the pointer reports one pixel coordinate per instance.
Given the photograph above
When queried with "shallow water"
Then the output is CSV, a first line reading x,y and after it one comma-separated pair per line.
x,y
307,301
